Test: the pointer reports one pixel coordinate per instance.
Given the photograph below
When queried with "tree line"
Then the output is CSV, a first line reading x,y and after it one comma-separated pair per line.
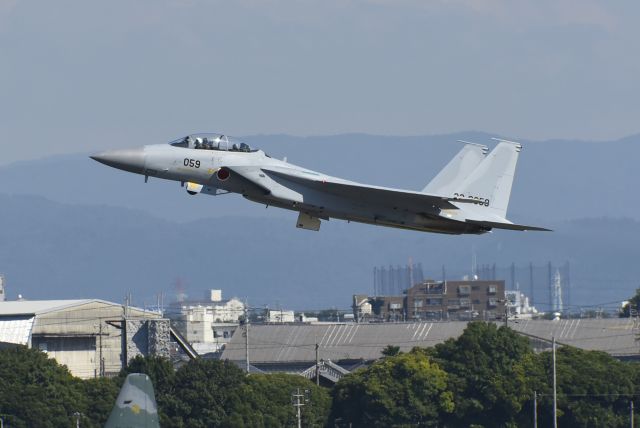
x,y
484,378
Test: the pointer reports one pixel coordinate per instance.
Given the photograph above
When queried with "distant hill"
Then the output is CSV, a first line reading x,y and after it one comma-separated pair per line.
x,y
555,181
54,250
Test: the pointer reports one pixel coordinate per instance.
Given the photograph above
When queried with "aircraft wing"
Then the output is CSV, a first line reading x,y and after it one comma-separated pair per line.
x,y
135,405
396,198
249,177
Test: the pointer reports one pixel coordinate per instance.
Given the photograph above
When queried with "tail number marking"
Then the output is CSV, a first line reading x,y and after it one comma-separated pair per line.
x,y
192,163
479,200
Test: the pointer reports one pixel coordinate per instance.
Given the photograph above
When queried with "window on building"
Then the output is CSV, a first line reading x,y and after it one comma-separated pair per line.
x,y
417,303
453,304
434,301
464,290
492,289
465,303
493,302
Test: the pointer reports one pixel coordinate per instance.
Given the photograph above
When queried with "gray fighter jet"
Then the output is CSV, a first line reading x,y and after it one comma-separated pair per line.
x,y
469,196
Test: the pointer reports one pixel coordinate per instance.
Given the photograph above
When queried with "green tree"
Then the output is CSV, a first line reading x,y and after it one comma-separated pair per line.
x,y
211,393
406,389
594,389
99,395
488,371
268,401
162,374
206,394
35,391
391,351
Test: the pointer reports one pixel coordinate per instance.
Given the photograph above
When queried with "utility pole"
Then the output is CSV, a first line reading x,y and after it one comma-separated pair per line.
x,y
555,391
317,365
535,409
246,334
531,299
100,355
506,313
298,400
631,410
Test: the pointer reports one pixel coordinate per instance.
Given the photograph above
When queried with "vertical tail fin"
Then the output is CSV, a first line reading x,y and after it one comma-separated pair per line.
x,y
491,181
135,405
458,168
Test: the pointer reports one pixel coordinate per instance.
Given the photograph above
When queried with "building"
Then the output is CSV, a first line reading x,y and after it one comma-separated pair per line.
x,y
518,305
3,296
207,324
436,300
341,347
91,337
280,316
291,348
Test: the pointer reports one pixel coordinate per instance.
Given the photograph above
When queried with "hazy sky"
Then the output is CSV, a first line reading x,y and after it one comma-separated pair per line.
x,y
87,75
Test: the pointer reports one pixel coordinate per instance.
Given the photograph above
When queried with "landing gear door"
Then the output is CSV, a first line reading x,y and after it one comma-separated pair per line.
x,y
305,221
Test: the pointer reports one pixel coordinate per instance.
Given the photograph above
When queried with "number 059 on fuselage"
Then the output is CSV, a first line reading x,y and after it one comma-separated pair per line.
x,y
469,195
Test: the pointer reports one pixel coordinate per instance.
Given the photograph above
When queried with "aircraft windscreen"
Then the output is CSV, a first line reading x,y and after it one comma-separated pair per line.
x,y
212,142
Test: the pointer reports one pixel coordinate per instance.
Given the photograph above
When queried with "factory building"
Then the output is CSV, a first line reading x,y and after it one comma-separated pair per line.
x,y
91,337
207,324
2,292
343,347
280,316
436,300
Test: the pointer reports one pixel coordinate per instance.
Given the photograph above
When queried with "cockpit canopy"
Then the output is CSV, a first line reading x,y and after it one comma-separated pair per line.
x,y
212,142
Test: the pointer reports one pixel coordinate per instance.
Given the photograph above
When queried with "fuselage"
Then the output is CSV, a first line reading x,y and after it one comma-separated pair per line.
x,y
212,171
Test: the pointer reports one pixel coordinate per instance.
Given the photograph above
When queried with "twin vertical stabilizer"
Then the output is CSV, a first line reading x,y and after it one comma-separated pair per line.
x,y
482,184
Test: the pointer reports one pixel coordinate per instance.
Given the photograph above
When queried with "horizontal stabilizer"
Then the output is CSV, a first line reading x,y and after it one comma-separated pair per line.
x,y
508,226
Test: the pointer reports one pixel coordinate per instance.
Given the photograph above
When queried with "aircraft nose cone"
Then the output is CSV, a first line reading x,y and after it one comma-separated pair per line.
x,y
131,160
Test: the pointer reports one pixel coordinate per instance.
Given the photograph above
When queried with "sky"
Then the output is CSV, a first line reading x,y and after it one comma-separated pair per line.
x,y
82,76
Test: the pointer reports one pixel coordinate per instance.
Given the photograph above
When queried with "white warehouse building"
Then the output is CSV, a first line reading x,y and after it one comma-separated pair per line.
x,y
91,337
207,324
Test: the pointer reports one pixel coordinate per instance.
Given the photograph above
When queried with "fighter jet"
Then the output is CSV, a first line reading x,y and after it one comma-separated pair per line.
x,y
469,196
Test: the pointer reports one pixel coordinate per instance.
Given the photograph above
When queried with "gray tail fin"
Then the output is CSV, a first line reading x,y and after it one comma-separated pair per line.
x,y
457,170
135,405
491,181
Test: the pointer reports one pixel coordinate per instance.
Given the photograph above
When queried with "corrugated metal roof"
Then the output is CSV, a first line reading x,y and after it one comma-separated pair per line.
x,y
37,307
339,341
34,307
296,343
616,336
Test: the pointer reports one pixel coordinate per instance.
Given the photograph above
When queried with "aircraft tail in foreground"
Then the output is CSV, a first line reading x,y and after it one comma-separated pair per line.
x,y
136,404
